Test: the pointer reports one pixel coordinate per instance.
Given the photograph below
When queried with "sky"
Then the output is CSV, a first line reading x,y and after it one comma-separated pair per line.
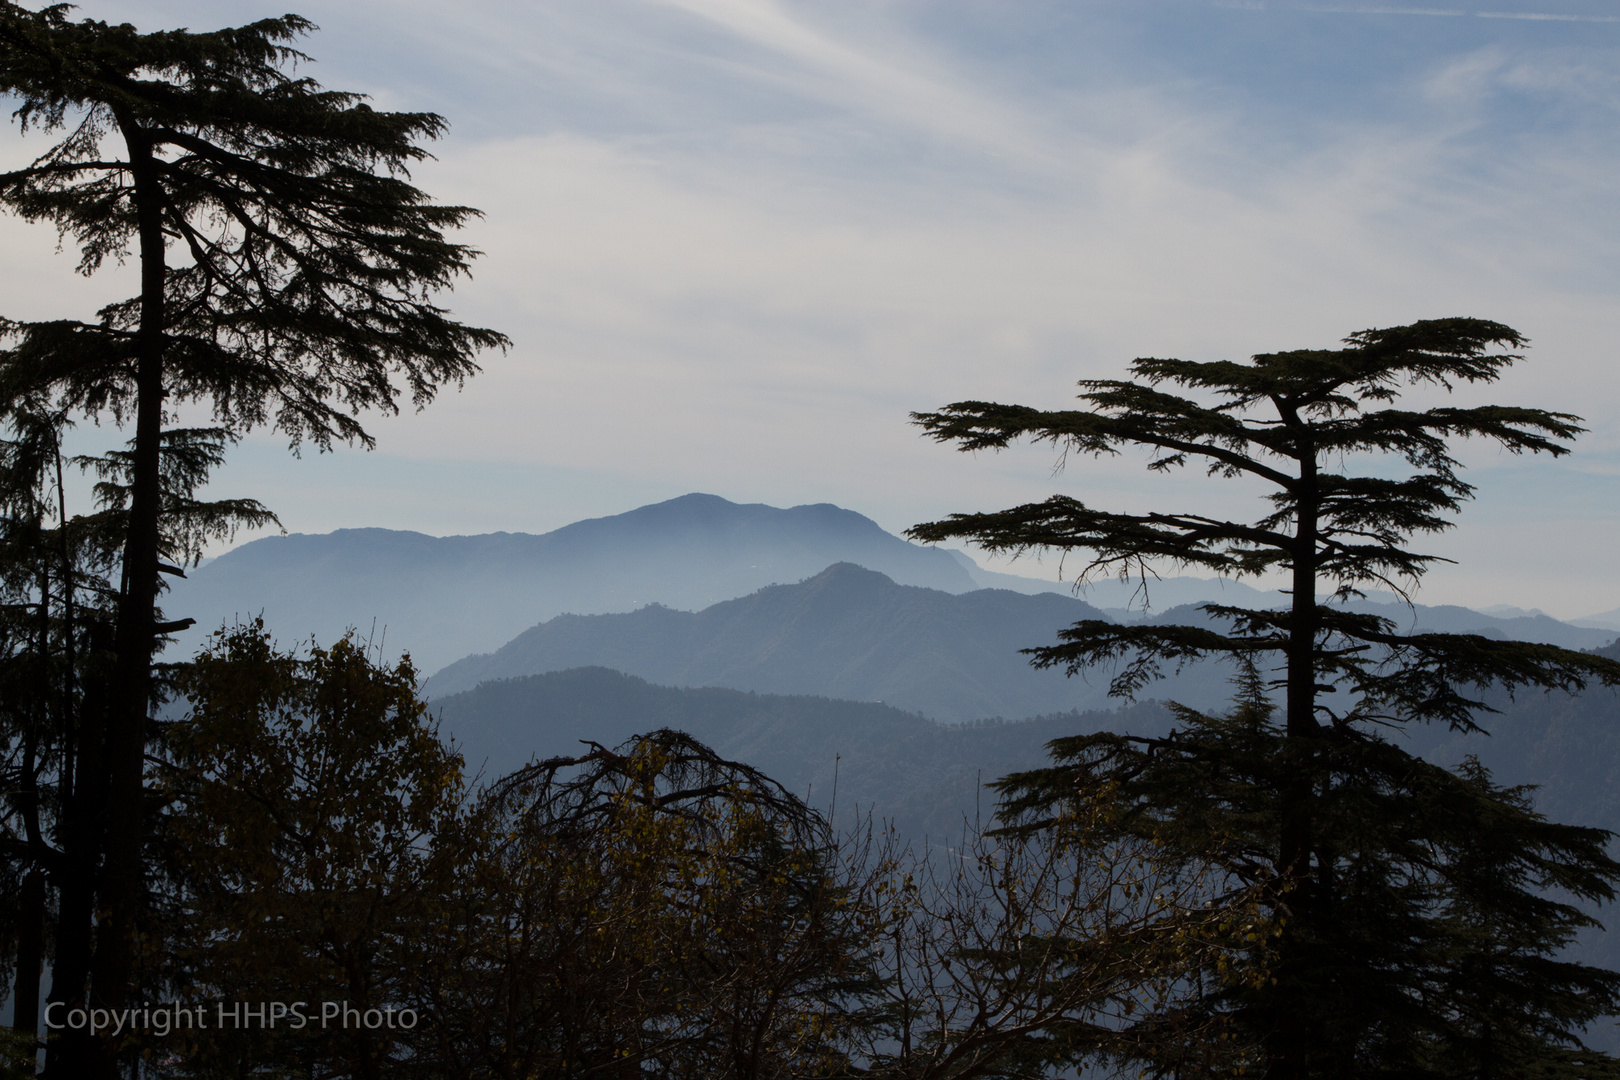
x,y
736,242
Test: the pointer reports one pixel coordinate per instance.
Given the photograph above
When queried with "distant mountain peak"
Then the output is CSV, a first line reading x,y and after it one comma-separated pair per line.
x,y
846,631
840,572
448,597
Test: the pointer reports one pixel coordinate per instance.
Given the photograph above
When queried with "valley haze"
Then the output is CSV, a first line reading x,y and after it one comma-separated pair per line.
x,y
702,591
868,674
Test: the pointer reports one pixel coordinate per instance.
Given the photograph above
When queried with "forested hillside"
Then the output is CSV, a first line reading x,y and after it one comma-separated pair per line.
x,y
927,778
924,776
845,633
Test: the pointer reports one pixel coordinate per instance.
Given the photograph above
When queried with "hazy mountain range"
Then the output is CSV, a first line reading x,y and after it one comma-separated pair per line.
x,y
442,598
926,778
922,775
1568,746
814,645
445,598
849,633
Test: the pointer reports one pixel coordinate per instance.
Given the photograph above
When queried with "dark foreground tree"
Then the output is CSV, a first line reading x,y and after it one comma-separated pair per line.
x,y
309,800
1352,839
1441,903
1022,953
57,580
287,270
647,910
56,598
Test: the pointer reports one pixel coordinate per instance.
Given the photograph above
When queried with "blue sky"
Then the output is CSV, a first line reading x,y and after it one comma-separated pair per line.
x,y
736,241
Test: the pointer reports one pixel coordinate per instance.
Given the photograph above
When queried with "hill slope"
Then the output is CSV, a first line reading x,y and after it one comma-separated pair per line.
x,y
854,633
925,777
1567,747
922,775
442,598
845,633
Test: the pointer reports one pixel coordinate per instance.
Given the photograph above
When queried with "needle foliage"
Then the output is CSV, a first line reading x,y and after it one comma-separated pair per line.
x,y
1416,912
287,271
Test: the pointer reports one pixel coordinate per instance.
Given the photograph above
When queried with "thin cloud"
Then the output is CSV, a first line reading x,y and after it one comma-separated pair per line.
x,y
737,240
1445,13
1441,12
898,85
1546,18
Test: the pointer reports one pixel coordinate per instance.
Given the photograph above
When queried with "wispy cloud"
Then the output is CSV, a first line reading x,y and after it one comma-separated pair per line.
x,y
737,240
1455,13
883,78
1544,17
1441,12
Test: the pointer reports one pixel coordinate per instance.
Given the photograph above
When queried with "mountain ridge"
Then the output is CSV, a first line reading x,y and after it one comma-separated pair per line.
x,y
923,776
445,598
854,633
926,778
442,598
847,632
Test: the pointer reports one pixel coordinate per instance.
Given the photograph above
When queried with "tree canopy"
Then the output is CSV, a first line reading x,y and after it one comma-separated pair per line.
x,y
1283,418
308,804
288,271
288,265
1322,801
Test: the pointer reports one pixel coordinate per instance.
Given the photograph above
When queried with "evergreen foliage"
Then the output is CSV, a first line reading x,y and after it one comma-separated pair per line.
x,y
58,577
287,271
1406,901
1441,903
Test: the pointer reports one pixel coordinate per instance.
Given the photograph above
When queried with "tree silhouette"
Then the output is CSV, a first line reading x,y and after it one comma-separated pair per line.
x,y
287,270
1281,797
307,794
647,910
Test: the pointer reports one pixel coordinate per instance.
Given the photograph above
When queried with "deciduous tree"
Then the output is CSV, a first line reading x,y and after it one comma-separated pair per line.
x,y
308,801
1062,940
651,909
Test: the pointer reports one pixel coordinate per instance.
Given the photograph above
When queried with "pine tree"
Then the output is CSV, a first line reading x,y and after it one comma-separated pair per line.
x,y
58,583
287,271
1353,841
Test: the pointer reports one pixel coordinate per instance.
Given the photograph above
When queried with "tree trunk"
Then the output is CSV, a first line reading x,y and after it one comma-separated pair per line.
x,y
30,955
122,886
1291,1033
83,825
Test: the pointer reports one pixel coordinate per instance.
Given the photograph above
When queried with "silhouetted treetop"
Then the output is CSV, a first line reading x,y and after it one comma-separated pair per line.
x,y
1291,419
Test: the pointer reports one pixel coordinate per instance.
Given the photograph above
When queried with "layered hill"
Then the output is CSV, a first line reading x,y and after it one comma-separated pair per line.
x,y
1567,747
848,633
442,598
926,777
1409,619
1452,619
923,776
853,633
